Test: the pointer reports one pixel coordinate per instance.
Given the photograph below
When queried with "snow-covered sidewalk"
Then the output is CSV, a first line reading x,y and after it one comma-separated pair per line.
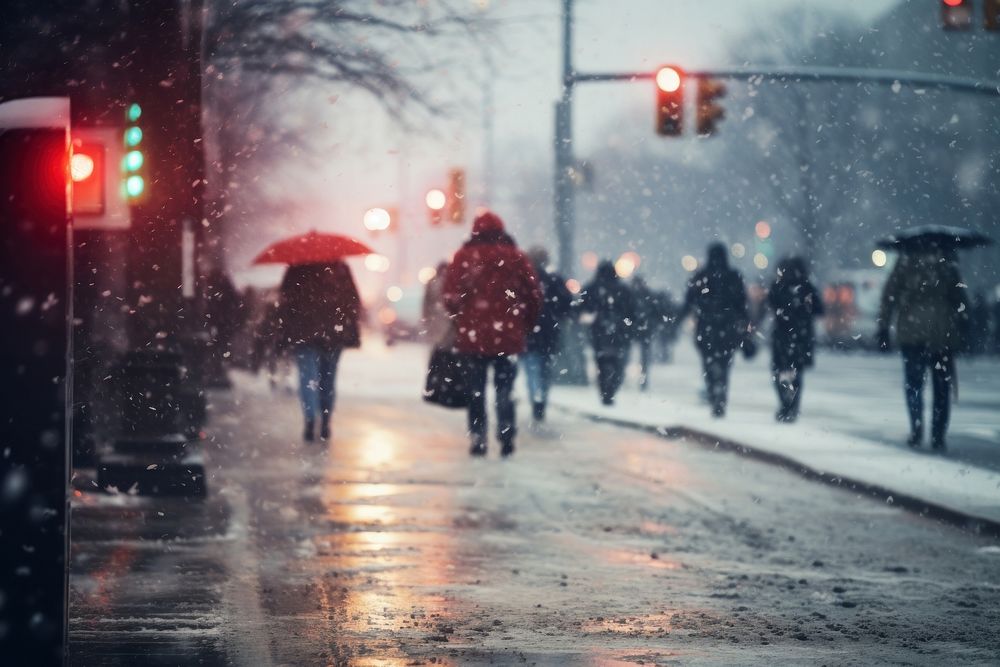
x,y
852,427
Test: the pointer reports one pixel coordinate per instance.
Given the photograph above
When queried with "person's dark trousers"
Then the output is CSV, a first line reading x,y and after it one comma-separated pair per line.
x,y
716,365
504,372
610,372
917,360
788,383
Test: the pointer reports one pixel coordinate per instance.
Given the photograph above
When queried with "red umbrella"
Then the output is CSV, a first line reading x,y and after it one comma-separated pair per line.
x,y
312,248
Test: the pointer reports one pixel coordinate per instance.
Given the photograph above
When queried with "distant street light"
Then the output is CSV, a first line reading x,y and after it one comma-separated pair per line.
x,y
689,263
879,258
762,229
625,266
377,263
426,274
377,219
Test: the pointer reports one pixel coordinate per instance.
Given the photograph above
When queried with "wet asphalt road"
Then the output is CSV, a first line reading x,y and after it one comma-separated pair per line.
x,y
592,545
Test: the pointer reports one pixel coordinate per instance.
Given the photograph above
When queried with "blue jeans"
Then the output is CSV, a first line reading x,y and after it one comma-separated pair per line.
x,y
538,372
317,380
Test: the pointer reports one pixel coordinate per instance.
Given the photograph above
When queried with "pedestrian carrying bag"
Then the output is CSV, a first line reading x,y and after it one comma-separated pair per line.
x,y
447,379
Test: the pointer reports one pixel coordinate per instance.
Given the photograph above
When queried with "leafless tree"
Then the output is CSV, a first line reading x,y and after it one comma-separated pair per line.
x,y
794,130
260,51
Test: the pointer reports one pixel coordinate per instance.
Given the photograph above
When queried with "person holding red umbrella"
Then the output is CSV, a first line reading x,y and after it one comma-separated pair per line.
x,y
319,311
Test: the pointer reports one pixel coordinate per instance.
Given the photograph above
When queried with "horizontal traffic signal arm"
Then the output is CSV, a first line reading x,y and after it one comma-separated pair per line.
x,y
810,74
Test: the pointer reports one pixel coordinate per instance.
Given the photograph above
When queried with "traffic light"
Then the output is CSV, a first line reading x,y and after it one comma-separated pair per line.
x,y
956,14
669,101
436,200
456,196
134,161
86,168
991,14
709,112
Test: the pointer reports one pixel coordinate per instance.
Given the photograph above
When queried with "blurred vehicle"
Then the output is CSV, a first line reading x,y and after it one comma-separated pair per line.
x,y
400,319
851,299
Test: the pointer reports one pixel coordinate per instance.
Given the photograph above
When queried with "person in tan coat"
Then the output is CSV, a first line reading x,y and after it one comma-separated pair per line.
x,y
925,299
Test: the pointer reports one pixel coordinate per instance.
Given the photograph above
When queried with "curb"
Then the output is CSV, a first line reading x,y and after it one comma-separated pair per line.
x,y
924,508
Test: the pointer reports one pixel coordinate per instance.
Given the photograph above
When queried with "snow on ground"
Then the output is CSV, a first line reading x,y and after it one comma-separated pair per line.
x,y
853,423
853,419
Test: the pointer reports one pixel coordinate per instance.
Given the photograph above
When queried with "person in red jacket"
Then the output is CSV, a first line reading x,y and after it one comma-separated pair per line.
x,y
494,297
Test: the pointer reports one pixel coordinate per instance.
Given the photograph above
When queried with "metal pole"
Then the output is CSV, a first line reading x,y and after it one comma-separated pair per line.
x,y
563,190
488,144
807,74
570,364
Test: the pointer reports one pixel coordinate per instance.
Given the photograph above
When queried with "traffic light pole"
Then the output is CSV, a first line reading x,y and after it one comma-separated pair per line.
x,y
563,191
817,74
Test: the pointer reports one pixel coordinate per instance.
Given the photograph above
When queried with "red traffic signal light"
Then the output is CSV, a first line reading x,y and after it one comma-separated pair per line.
x,y
436,201
669,101
709,112
956,14
86,167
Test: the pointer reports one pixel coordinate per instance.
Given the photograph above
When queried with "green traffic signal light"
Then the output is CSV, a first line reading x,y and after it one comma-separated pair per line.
x,y
133,161
133,136
135,186
133,113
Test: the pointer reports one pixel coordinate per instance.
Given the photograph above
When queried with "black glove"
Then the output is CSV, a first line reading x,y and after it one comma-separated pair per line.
x,y
883,340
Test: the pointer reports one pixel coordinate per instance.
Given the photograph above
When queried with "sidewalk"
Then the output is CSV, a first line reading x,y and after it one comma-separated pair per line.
x,y
852,429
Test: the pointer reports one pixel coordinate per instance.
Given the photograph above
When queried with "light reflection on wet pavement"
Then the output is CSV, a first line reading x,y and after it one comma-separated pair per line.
x,y
389,546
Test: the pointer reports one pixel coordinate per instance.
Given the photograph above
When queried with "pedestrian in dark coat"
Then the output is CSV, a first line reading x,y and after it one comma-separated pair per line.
x,y
320,310
225,309
495,298
648,318
796,304
611,302
925,298
717,297
668,326
544,337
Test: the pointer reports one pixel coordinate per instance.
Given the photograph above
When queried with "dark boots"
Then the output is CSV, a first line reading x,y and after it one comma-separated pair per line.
x,y
308,433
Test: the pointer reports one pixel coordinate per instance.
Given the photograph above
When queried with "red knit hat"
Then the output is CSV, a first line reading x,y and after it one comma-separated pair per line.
x,y
486,222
